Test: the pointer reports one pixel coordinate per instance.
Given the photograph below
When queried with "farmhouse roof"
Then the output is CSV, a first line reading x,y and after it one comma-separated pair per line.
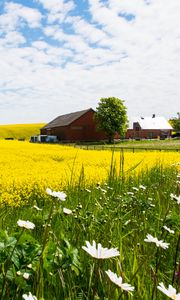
x,y
154,123
66,119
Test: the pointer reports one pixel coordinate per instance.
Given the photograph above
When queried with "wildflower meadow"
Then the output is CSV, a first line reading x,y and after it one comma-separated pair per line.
x,y
85,224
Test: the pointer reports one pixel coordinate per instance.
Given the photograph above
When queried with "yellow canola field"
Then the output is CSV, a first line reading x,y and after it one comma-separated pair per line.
x,y
27,169
20,131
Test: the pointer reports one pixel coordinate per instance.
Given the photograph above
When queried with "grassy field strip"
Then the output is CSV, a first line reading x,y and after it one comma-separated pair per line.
x,y
173,144
126,148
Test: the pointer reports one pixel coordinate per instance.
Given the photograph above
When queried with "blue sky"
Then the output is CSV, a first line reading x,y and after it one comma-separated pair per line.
x,y
59,56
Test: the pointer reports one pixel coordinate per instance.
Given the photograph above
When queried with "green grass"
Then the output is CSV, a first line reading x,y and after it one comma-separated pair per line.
x,y
169,144
118,214
20,131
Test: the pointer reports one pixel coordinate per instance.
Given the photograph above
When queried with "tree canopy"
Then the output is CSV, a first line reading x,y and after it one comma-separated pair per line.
x,y
111,117
175,122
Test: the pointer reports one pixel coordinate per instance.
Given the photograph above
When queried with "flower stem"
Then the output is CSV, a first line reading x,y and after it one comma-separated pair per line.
x,y
175,259
90,279
40,268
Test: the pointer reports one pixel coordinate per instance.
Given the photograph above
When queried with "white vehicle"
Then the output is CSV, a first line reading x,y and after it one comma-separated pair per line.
x,y
44,139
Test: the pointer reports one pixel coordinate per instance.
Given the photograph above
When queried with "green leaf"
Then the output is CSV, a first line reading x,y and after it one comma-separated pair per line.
x,y
10,242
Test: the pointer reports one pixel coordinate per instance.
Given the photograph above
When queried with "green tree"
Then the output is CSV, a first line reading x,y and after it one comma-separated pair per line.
x,y
111,117
175,122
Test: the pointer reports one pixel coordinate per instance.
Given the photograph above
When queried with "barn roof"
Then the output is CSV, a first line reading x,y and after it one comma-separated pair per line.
x,y
67,119
154,123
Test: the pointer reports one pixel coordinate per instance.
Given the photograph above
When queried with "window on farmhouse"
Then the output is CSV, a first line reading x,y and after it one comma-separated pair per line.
x,y
76,127
49,131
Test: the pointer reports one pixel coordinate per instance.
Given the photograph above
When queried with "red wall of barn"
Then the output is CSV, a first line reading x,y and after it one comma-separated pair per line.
x,y
145,134
88,132
82,129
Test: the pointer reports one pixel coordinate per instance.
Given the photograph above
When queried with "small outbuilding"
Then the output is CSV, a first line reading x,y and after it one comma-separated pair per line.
x,y
75,127
150,128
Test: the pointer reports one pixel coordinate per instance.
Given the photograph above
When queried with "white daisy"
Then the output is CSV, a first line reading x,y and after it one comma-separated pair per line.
x,y
25,224
159,243
142,187
100,252
170,292
29,266
67,211
177,198
29,297
135,188
130,193
26,276
18,273
118,281
168,229
60,195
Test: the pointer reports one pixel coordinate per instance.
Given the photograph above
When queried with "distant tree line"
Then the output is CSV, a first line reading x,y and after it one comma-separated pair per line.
x,y
175,122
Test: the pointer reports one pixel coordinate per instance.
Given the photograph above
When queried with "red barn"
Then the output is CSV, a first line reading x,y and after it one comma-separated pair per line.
x,y
74,127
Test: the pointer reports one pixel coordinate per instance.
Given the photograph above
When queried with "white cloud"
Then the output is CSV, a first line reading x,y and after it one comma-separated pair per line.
x,y
88,31
127,6
58,9
106,55
16,14
12,39
71,41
